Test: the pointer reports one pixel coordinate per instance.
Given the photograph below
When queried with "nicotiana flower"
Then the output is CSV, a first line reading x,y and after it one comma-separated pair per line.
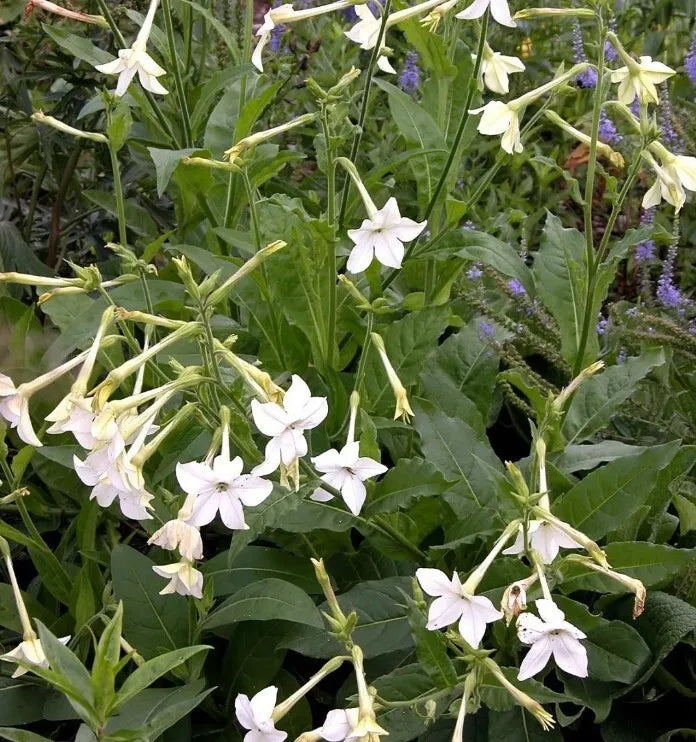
x,y
256,715
339,725
454,603
382,235
495,68
221,488
346,470
545,538
499,10
286,424
137,60
177,534
31,652
366,32
183,577
550,635
638,80
676,173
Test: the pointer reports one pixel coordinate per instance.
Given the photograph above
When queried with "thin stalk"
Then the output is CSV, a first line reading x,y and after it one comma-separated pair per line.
x,y
36,189
161,118
331,219
357,138
174,60
255,226
587,206
118,194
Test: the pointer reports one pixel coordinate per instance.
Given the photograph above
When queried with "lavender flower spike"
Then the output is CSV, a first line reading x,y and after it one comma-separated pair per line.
x,y
409,80
690,62
588,78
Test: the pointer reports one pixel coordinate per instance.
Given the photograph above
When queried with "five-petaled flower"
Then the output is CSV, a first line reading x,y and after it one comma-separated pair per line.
x,y
501,118
382,236
495,68
346,470
499,10
550,635
255,714
366,32
638,79
454,603
544,538
31,652
183,577
286,424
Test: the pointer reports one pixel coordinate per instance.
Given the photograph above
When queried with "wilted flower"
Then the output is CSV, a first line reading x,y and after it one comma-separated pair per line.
x,y
544,538
550,635
346,471
136,59
499,10
495,68
177,534
256,716
453,603
286,424
382,235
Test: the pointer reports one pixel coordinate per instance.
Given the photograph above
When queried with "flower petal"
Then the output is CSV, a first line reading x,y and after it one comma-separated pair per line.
x,y
251,490
434,582
570,654
444,611
535,660
263,703
269,418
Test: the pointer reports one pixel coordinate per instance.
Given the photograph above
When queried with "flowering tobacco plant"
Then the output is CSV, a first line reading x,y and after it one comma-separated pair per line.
x,y
339,402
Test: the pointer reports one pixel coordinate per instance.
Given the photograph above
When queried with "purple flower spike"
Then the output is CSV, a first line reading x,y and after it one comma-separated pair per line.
x,y
516,288
607,130
409,80
690,62
486,330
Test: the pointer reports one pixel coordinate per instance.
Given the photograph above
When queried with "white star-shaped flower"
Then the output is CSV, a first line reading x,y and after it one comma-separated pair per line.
x,y
495,68
674,175
14,407
346,471
273,18
221,488
286,424
31,652
382,236
177,534
499,10
74,415
545,538
132,61
452,604
501,118
550,635
256,716
640,79
183,577
366,32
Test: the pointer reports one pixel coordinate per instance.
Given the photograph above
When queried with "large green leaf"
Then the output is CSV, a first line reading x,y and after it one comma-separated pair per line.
x,y
266,600
402,485
609,495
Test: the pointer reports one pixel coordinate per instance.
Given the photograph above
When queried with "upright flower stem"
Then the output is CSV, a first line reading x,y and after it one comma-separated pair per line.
x,y
587,206
331,266
357,138
174,61
118,194
161,118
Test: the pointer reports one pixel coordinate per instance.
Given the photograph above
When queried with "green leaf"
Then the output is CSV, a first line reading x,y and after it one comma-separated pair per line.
x,y
216,82
266,600
607,496
105,663
21,735
21,702
152,622
77,46
600,396
560,274
119,126
653,564
228,38
517,726
431,650
64,662
686,510
171,713
138,218
382,623
166,162
152,670
406,482
585,457
256,563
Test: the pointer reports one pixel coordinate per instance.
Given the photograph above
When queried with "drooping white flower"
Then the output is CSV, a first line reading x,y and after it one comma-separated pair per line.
x,y
221,488
501,118
177,534
675,174
346,470
499,10
545,538
286,424
183,577
339,725
454,603
31,652
382,235
639,79
137,60
495,68
255,714
550,635
366,32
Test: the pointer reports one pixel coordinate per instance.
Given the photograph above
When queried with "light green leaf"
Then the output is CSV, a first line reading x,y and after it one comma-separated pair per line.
x,y
77,46
406,482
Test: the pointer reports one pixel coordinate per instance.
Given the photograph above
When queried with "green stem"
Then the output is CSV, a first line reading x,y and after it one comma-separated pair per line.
x,y
174,60
161,118
118,193
331,261
587,206
36,189
357,138
254,217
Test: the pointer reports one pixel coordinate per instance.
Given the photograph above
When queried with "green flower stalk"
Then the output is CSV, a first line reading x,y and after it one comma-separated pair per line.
x,y
253,140
403,407
615,158
40,117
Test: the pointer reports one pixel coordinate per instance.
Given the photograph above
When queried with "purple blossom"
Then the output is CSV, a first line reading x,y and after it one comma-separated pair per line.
x,y
277,32
475,272
668,294
607,130
645,250
690,62
588,78
409,80
632,312
621,358
635,107
610,53
602,325
486,330
468,224
516,288
669,133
